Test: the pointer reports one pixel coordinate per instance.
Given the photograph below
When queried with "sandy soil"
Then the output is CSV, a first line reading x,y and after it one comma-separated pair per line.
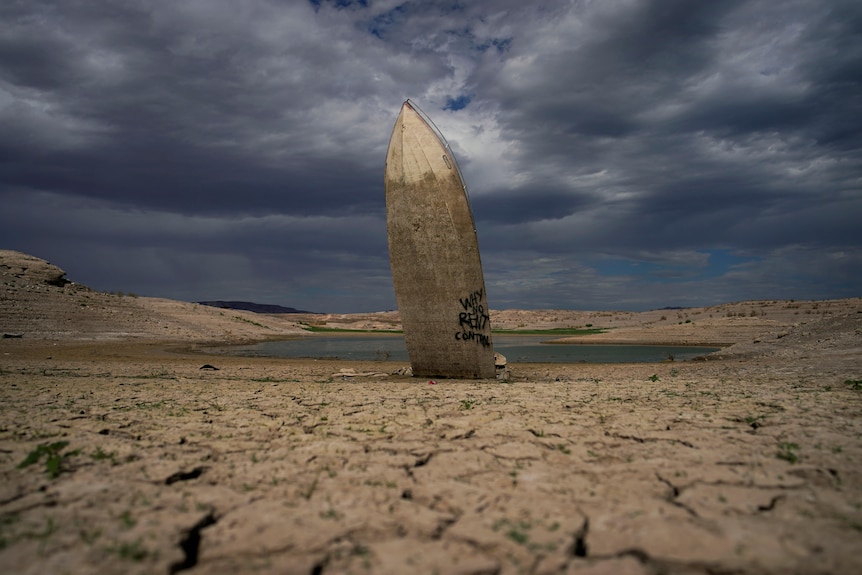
x,y
120,454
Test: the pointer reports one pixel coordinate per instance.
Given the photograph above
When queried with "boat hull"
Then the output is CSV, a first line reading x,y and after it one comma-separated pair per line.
x,y
434,255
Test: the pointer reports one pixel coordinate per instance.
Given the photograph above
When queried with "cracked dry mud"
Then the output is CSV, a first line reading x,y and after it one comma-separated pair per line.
x,y
741,465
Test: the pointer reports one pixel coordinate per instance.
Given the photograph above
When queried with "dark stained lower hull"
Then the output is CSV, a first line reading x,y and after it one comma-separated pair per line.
x,y
434,254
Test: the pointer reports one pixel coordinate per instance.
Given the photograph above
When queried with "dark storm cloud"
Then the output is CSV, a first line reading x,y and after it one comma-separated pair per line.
x,y
510,206
184,113
713,124
618,154
185,180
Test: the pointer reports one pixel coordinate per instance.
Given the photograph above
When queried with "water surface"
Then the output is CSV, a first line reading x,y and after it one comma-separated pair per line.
x,y
516,348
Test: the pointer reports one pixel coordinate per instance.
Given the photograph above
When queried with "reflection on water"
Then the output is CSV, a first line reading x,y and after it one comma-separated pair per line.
x,y
516,348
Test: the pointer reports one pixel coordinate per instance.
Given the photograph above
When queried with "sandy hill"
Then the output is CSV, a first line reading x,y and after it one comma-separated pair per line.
x,y
36,301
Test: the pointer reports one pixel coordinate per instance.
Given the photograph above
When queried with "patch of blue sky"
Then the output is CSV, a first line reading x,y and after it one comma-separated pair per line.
x,y
457,103
500,44
339,3
380,24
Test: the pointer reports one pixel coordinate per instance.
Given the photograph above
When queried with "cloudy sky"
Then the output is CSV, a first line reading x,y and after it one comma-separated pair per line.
x,y
620,154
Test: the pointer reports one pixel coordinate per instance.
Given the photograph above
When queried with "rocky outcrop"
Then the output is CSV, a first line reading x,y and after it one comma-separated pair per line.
x,y
31,269
38,302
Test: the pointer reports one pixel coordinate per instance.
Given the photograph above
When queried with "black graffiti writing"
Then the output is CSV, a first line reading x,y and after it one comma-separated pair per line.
x,y
473,301
474,320
481,338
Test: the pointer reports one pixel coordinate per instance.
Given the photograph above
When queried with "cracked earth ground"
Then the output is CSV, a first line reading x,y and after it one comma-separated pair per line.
x,y
149,464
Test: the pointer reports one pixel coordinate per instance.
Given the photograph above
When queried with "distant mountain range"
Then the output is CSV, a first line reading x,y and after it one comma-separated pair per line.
x,y
251,306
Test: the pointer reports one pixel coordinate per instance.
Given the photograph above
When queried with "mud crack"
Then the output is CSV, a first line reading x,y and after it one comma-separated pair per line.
x,y
672,498
579,545
190,544
771,505
185,475
649,439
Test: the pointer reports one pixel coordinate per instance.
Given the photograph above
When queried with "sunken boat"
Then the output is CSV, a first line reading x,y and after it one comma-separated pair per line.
x,y
434,254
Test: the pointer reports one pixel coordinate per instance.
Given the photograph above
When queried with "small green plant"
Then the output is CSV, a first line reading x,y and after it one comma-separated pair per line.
x,y
653,377
127,520
468,403
751,419
854,383
53,458
6,521
787,452
90,536
134,551
517,532
517,536
100,455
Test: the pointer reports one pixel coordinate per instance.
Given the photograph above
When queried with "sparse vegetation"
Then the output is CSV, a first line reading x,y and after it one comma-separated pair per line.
x,y
100,455
132,551
54,459
516,531
787,452
254,323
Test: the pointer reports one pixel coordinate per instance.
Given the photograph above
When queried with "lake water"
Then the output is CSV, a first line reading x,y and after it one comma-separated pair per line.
x,y
516,348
